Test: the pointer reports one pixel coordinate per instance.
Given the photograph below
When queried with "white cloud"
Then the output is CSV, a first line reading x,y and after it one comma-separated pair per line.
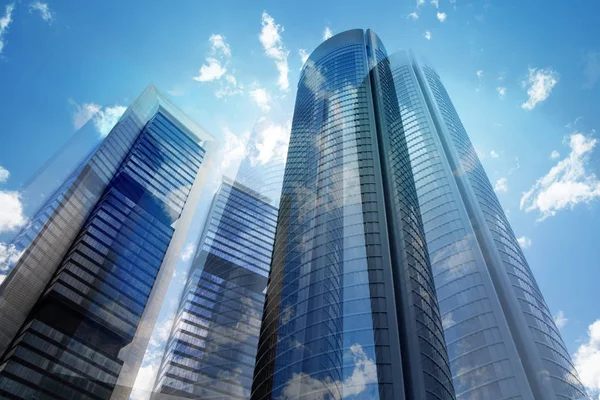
x,y
567,184
210,71
104,118
271,141
554,155
218,45
524,242
541,82
11,211
215,68
441,16
427,35
501,185
493,154
560,320
107,118
188,252
479,74
234,149
591,70
363,374
420,2
573,124
9,255
4,174
436,3
43,9
270,37
303,55
501,91
5,21
229,86
413,15
327,33
83,113
587,360
142,388
261,97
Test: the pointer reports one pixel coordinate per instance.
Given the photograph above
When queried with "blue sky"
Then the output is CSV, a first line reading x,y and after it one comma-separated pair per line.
x,y
524,77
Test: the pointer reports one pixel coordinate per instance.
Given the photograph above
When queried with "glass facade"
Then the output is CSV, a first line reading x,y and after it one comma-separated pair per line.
x,y
114,219
350,311
501,338
212,347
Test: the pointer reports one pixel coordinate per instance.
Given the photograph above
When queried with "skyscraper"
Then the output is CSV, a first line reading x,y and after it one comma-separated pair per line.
x,y
502,340
351,308
78,307
211,351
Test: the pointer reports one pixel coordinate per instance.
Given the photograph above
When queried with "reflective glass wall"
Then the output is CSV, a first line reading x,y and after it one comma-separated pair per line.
x,y
212,347
334,314
501,338
114,219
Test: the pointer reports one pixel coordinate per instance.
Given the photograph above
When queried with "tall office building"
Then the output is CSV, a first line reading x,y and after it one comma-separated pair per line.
x,y
78,307
502,340
351,308
211,351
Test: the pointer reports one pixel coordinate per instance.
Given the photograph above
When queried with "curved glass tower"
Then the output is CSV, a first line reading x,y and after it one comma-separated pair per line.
x,y
351,308
501,338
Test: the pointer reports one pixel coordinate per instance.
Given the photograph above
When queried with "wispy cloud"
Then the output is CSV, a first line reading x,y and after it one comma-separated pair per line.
x,y
4,174
560,320
493,154
11,211
591,69
567,184
501,185
413,15
441,16
44,10
271,141
270,38
435,3
261,97
83,113
9,255
5,21
211,70
104,118
501,91
524,242
554,155
479,74
303,55
587,359
427,35
107,118
215,68
540,83
188,252
327,33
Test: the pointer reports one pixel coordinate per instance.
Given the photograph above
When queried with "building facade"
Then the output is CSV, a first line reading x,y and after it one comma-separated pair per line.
x,y
351,308
79,305
211,351
501,338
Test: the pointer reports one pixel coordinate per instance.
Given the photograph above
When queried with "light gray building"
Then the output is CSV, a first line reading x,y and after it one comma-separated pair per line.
x,y
501,338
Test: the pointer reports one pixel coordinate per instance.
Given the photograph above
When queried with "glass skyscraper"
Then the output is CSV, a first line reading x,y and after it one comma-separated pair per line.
x,y
78,307
351,308
212,348
501,338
